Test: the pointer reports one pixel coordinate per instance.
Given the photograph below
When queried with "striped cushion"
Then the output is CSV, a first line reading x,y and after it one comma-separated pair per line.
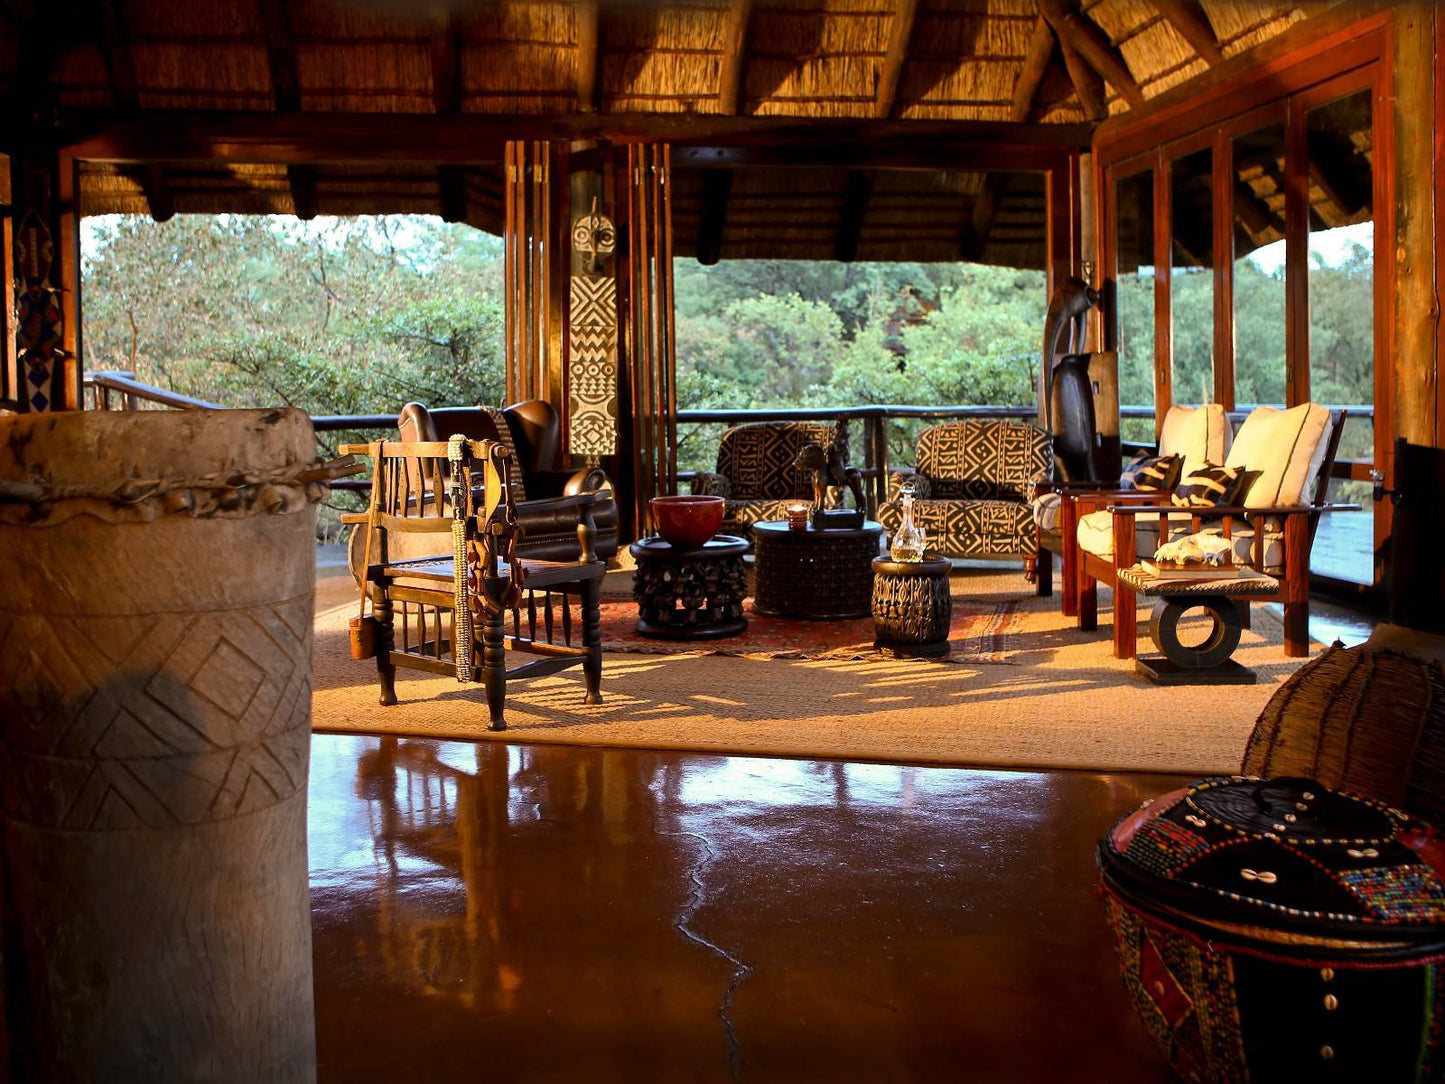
x,y
1209,487
1152,472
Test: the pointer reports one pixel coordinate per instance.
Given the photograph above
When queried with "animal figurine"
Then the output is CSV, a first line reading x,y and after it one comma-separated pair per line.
x,y
829,469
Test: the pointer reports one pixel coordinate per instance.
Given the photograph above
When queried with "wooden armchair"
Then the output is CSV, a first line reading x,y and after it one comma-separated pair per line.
x,y
1272,527
1197,435
457,495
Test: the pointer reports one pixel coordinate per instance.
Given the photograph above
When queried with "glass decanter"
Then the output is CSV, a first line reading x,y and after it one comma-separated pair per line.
x,y
910,540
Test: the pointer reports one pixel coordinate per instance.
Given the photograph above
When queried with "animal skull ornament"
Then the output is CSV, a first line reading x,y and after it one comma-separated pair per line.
x,y
595,236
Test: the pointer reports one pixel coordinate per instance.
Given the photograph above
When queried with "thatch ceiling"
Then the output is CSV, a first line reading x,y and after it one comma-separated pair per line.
x,y
1049,63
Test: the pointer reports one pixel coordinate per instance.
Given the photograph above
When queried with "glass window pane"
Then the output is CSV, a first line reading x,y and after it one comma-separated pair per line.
x,y
1134,302
1259,282
1191,276
1339,138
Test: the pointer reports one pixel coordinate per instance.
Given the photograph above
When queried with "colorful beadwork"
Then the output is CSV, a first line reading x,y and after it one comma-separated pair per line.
x,y
1398,893
1164,847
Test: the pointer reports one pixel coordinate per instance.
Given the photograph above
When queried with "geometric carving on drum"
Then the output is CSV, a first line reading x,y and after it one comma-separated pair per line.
x,y
592,366
154,720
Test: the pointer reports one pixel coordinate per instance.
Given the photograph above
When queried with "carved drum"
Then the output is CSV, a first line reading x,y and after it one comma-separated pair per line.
x,y
912,609
1273,930
155,631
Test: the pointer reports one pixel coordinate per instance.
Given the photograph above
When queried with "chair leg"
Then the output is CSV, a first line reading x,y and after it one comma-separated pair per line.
x,y
1087,594
385,637
592,640
494,670
1069,561
1126,623
1244,607
1045,586
1297,629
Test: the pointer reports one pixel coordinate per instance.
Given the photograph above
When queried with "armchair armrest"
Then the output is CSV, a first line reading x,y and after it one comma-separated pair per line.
x,y
897,476
1231,509
548,484
706,483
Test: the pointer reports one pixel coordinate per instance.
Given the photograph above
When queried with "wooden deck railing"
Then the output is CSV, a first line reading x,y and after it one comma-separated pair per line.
x,y
121,390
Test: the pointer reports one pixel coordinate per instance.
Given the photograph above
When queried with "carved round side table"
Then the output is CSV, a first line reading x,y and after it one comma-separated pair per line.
x,y
814,575
912,608
690,594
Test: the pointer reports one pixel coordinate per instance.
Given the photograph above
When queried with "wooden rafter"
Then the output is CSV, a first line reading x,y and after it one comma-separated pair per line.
x,y
588,56
717,187
734,58
858,192
1031,75
446,64
900,33
452,181
157,191
1093,45
1088,86
281,55
115,43
1186,17
303,191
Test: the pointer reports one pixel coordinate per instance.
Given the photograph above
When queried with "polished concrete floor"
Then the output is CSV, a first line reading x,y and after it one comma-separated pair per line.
x,y
494,912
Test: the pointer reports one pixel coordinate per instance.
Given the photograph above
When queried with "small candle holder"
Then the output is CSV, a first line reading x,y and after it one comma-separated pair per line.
x,y
797,514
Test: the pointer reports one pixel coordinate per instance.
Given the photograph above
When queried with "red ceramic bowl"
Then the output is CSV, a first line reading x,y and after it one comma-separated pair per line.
x,y
687,522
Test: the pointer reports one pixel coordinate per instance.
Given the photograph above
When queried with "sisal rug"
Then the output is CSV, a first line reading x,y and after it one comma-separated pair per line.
x,y
978,632
1060,701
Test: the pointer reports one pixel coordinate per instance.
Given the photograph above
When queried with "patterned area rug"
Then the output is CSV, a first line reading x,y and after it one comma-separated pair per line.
x,y
980,632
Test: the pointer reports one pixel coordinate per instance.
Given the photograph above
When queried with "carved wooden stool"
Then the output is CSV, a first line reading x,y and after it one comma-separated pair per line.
x,y
690,594
912,608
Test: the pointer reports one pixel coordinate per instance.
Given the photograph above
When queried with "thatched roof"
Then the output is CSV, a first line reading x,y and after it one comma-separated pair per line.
x,y
1044,63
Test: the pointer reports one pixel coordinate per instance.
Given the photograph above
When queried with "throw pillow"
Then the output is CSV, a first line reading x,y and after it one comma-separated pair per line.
x,y
1209,487
1152,472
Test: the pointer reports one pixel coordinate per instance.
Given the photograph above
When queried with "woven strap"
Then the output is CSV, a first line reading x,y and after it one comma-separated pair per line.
x,y
461,585
504,437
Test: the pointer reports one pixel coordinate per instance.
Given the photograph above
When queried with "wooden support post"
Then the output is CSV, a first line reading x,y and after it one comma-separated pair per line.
x,y
535,274
857,193
732,81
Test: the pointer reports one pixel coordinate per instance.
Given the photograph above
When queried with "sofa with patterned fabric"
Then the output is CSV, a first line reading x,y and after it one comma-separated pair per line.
x,y
972,487
755,471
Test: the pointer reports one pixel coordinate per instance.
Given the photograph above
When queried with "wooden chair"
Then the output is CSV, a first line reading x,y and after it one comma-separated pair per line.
x,y
456,496
1196,434
1275,538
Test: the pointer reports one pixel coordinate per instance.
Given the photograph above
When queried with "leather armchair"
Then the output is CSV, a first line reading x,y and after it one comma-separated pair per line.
x,y
532,432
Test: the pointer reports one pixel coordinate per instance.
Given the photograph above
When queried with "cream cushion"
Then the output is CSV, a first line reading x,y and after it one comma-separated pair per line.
x,y
1046,511
1286,448
1096,536
1199,434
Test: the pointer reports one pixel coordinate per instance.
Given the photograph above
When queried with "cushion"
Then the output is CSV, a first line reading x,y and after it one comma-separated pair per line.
x,y
1152,472
958,528
1046,511
1209,487
985,460
1199,434
1096,536
1286,447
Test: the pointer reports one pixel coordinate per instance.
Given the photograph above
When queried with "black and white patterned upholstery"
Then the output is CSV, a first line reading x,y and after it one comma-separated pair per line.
x,y
980,477
755,470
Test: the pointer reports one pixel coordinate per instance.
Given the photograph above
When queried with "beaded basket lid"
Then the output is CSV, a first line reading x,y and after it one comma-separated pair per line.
x,y
1281,861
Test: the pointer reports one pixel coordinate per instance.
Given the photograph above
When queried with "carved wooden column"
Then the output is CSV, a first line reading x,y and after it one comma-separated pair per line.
x,y
592,332
43,246
155,708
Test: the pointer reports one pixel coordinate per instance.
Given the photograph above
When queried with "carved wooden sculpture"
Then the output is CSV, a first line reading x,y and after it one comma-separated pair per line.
x,y
1066,396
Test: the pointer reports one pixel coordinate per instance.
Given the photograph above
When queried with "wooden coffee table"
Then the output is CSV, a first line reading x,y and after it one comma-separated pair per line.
x,y
814,575
1208,663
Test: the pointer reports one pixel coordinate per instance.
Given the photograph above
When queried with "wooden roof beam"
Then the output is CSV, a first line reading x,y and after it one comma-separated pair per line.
x,y
1088,86
157,189
1031,76
1093,45
900,33
734,58
588,56
1186,17
717,187
446,64
858,192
